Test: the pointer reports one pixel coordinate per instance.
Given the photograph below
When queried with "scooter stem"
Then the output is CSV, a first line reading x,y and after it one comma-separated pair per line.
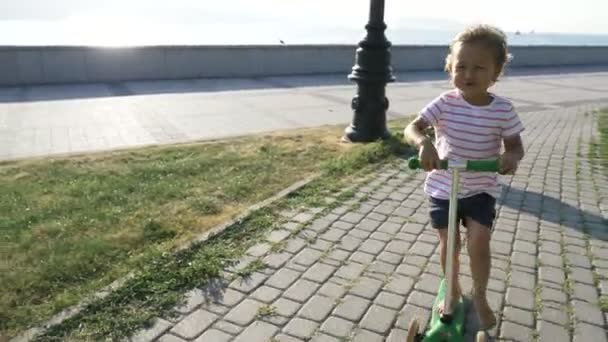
x,y
452,229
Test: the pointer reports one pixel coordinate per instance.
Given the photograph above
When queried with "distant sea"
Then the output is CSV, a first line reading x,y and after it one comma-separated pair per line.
x,y
33,32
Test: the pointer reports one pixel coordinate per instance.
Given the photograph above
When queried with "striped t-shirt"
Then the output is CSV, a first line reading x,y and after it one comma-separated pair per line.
x,y
467,132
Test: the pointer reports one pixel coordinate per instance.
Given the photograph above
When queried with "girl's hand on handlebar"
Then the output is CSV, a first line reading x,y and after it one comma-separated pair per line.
x,y
429,159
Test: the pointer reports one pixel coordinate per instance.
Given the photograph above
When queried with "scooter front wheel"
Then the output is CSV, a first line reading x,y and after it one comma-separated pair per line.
x,y
481,337
412,331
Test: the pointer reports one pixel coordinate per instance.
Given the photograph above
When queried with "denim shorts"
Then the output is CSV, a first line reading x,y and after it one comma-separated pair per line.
x,y
480,207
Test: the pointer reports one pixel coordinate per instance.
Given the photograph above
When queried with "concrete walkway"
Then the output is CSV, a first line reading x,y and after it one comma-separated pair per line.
x,y
362,271
50,120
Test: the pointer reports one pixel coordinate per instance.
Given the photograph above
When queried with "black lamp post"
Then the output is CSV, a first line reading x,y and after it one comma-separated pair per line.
x,y
372,71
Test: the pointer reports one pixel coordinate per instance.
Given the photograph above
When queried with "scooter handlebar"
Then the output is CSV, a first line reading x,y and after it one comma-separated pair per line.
x,y
491,165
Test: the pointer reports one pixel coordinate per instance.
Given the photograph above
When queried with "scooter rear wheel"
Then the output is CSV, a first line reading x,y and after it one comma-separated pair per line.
x,y
481,337
412,331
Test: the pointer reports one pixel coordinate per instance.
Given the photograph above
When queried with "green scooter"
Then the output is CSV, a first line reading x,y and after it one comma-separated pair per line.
x,y
449,326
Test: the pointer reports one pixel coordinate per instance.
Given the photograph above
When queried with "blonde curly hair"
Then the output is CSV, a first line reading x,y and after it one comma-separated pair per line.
x,y
486,35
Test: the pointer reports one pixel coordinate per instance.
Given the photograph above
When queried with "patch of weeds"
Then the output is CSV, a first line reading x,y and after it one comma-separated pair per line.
x,y
254,266
278,247
266,311
604,303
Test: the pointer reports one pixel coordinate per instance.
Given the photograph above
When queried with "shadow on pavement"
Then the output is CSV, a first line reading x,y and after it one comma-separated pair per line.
x,y
554,210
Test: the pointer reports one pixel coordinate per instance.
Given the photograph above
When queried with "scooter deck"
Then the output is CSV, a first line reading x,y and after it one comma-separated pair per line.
x,y
452,331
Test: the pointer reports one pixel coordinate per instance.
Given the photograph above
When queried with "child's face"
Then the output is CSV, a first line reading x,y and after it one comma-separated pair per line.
x,y
473,70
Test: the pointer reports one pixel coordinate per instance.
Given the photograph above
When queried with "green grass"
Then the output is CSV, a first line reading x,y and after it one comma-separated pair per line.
x,y
599,149
75,224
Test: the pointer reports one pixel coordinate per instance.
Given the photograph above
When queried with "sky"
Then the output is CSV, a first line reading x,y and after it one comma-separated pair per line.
x,y
125,19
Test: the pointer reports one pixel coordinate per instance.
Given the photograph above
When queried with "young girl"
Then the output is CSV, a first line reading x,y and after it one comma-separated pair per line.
x,y
470,123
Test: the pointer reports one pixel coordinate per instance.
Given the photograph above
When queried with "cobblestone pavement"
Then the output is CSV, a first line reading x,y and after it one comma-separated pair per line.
x,y
374,264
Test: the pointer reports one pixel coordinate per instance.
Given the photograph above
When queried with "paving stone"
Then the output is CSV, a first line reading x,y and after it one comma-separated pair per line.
x,y
515,332
553,295
390,300
550,332
368,225
244,313
301,328
586,332
170,338
278,235
286,307
325,338
409,270
342,225
350,271
214,335
248,283
378,319
428,283
332,290
319,272
295,245
525,246
317,308
389,228
283,278
352,308
337,255
522,280
349,243
524,259
585,292
380,236
287,338
422,248
522,317
337,327
397,335
550,259
400,285
227,327
307,257
333,234
380,268
362,258
421,299
367,336
266,294
321,245
367,288
411,312
391,258
398,247
194,324
259,249
301,290
258,331
587,313
352,217
582,275
520,298
500,247
551,274
159,326
277,260
302,217
578,260
558,315
372,246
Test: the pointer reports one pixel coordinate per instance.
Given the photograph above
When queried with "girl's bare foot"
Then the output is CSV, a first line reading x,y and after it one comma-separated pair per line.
x,y
487,320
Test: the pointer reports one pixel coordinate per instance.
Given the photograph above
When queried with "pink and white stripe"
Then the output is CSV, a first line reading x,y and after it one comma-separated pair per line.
x,y
464,131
